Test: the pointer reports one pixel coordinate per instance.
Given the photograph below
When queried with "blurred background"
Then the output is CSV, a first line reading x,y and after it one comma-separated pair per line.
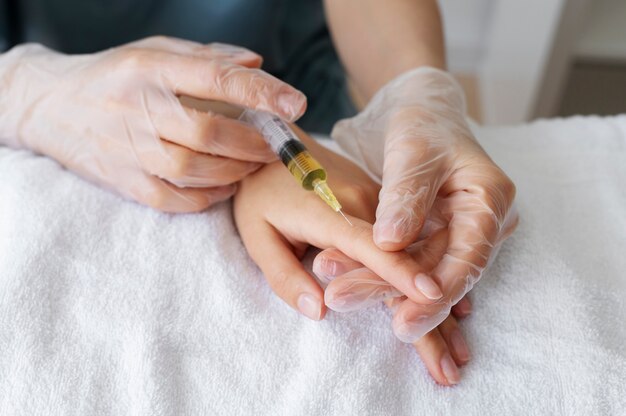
x,y
521,60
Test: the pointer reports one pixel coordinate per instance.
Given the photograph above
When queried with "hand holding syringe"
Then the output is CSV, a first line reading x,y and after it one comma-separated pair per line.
x,y
294,155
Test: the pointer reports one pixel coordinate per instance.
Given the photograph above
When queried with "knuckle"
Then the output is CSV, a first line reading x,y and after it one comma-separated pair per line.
x,y
508,189
480,259
205,130
255,86
498,193
219,74
133,58
179,165
504,198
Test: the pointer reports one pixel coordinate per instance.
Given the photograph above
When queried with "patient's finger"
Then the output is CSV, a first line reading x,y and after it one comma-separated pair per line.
x,y
331,263
435,354
359,287
451,333
283,271
435,349
411,320
463,308
397,268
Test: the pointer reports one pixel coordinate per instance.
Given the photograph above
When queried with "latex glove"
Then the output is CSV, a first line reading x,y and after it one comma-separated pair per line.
x,y
114,117
444,348
278,221
353,286
414,137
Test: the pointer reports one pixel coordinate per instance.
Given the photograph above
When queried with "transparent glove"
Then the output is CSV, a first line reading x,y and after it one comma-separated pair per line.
x,y
413,135
115,117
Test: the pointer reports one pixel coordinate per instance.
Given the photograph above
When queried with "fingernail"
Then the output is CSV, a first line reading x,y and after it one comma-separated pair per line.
x,y
428,287
449,368
292,104
310,306
459,345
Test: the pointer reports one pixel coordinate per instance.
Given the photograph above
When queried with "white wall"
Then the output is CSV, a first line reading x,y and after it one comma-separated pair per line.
x,y
466,26
518,50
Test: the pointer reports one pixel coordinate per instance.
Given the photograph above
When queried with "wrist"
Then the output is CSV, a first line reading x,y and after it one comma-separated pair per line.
x,y
426,87
399,66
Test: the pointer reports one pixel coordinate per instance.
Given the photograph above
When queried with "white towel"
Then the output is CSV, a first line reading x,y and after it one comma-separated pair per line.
x,y
110,308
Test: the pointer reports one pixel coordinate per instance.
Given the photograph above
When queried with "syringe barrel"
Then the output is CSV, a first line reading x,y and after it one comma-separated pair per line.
x,y
292,152
287,147
273,129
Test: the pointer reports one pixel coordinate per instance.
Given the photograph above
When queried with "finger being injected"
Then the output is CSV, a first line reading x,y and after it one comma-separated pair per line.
x,y
294,155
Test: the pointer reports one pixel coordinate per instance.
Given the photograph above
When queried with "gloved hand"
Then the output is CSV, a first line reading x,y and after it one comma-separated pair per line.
x,y
444,348
414,137
114,117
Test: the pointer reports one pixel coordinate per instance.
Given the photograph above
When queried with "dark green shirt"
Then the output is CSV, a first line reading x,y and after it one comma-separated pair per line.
x,y
291,35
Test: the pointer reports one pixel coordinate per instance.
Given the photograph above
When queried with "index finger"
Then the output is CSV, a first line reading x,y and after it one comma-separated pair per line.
x,y
235,84
231,53
355,287
357,241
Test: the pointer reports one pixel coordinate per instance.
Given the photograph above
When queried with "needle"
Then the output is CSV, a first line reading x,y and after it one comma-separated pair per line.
x,y
346,218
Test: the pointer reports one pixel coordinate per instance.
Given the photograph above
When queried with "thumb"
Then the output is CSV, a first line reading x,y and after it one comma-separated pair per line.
x,y
413,171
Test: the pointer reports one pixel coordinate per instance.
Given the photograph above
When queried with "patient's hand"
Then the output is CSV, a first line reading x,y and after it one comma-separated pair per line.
x,y
352,286
278,221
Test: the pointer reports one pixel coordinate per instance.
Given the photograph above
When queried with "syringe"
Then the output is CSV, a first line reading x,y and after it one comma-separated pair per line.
x,y
292,152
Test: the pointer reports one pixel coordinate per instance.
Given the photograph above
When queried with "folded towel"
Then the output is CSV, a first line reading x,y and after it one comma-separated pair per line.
x,y
111,308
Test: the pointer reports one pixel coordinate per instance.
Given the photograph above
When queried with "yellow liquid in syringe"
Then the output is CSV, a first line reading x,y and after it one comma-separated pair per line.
x,y
294,155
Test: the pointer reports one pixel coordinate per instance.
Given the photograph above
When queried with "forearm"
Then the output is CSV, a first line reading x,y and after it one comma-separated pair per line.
x,y
379,40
